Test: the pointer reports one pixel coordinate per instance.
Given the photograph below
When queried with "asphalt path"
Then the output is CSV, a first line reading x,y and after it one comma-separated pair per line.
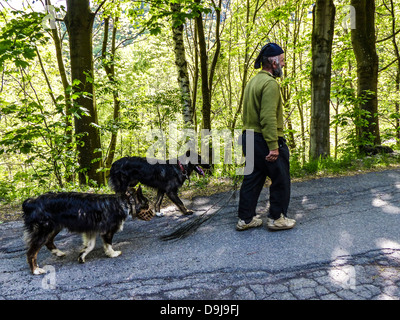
x,y
346,245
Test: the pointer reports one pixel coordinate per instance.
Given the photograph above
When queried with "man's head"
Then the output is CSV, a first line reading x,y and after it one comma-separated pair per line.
x,y
272,59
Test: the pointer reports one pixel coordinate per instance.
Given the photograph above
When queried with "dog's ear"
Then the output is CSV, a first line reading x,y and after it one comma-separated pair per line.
x,y
190,157
140,196
200,160
139,192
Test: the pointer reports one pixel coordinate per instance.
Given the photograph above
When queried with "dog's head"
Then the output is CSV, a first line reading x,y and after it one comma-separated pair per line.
x,y
141,204
194,162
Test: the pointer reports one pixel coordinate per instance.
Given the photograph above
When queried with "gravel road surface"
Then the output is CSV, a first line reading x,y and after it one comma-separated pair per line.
x,y
346,245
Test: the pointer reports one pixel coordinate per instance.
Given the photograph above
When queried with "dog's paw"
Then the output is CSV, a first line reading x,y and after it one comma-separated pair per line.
x,y
81,259
58,253
108,250
159,214
114,254
38,271
188,213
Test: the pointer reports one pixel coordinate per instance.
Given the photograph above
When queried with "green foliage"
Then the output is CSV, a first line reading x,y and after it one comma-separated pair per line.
x,y
20,37
43,139
37,142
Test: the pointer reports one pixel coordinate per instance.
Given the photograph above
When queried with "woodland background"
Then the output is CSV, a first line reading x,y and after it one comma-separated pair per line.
x,y
83,82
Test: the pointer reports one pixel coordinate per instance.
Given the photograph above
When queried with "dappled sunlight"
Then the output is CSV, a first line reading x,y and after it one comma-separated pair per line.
x,y
390,274
354,277
384,243
381,201
395,178
387,243
307,204
341,272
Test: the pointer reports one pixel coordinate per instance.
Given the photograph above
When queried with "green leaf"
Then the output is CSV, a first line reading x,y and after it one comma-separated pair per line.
x,y
29,54
26,148
21,63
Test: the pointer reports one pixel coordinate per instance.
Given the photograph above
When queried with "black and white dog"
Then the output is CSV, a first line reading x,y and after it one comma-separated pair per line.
x,y
85,213
167,177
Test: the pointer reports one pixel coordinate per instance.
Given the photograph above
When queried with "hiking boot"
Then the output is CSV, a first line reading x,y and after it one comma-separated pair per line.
x,y
254,223
283,223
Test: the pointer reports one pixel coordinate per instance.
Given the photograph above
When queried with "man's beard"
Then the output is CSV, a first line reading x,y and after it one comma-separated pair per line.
x,y
277,73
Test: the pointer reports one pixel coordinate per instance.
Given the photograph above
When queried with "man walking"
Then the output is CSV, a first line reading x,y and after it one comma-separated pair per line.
x,y
263,113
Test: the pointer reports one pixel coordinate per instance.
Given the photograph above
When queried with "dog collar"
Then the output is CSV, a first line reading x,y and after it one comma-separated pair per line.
x,y
183,170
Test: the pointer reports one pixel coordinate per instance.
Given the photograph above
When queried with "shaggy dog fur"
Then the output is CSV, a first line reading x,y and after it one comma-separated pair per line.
x,y
166,177
85,213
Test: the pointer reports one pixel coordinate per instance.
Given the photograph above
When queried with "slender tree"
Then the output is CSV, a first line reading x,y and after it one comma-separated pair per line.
x,y
205,89
108,59
181,63
64,80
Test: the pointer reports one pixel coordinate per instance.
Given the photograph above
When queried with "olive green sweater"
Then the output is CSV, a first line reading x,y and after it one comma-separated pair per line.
x,y
262,108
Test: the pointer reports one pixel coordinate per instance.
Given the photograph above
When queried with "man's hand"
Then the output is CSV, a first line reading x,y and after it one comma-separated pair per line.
x,y
272,156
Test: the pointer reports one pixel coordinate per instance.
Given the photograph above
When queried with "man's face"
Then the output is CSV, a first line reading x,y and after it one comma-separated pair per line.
x,y
277,71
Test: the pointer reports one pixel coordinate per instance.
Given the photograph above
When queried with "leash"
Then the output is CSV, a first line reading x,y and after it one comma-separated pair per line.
x,y
188,227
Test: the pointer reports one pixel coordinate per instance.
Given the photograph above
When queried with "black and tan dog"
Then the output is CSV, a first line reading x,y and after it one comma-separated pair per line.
x,y
166,177
85,213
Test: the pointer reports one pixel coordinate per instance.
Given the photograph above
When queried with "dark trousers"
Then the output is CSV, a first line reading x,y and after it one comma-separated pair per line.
x,y
278,172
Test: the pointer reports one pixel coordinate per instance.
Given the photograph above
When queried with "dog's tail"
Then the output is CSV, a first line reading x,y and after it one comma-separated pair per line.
x,y
28,207
33,214
116,179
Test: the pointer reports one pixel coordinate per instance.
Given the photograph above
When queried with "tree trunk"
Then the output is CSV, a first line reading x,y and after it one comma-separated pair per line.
x,y
79,21
69,176
205,90
322,37
363,40
397,79
181,65
218,9
109,67
195,76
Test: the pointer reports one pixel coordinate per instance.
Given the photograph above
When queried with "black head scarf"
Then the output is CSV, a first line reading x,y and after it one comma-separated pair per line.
x,y
269,50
